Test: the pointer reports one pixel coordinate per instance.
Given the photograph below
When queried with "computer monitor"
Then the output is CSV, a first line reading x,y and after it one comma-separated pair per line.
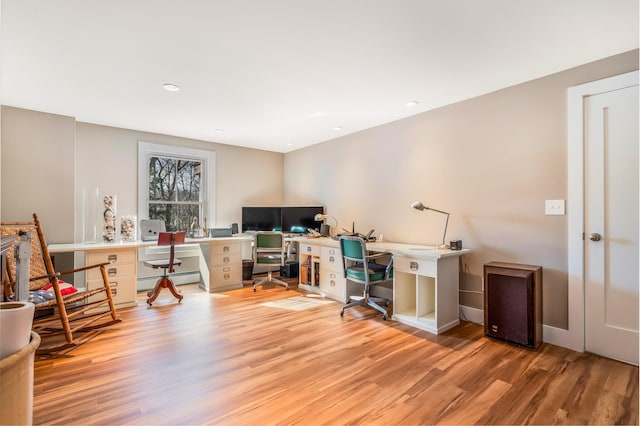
x,y
298,219
261,219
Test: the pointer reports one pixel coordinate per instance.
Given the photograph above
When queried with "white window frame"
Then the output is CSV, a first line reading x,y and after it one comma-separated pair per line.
x,y
146,150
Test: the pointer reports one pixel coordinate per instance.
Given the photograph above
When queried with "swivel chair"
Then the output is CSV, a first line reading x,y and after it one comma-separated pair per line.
x,y
268,249
361,267
166,239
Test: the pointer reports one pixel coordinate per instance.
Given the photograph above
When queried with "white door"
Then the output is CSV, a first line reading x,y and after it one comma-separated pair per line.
x,y
611,224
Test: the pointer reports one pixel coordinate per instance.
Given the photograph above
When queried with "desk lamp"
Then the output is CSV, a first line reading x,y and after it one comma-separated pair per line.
x,y
324,217
419,206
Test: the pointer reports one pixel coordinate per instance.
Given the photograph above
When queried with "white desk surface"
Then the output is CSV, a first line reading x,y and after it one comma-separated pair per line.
x,y
68,247
412,250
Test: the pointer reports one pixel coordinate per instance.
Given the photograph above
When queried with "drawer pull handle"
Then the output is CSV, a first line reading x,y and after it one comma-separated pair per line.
x,y
227,269
332,251
332,283
112,271
308,249
114,291
225,259
226,276
225,249
113,284
332,259
332,275
413,266
113,258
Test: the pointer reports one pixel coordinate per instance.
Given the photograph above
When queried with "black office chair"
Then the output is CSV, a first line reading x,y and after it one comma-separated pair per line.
x,y
268,249
361,267
166,239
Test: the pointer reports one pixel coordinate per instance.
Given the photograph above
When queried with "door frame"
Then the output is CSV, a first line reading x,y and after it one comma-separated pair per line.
x,y
574,336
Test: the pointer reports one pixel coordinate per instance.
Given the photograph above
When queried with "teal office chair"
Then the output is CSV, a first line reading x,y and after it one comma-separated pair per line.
x,y
361,267
268,249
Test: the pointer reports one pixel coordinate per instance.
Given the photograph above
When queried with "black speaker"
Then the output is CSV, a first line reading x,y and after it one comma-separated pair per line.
x,y
513,303
289,270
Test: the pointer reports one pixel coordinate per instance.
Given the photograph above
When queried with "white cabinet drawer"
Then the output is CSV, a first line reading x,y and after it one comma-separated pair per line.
x,y
225,249
123,256
225,276
309,250
331,258
332,284
114,270
415,266
226,260
123,290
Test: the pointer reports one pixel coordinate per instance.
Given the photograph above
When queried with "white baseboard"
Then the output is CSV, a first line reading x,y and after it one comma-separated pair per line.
x,y
553,335
467,313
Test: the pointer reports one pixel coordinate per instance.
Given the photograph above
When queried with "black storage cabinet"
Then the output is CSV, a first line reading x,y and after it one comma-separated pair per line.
x,y
513,303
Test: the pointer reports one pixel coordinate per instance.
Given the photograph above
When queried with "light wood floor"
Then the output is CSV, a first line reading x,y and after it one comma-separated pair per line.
x,y
225,359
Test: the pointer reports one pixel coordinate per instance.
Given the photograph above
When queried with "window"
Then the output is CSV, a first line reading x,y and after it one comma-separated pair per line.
x,y
175,185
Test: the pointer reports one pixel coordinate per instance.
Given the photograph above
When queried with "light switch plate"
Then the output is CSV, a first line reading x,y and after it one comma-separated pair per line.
x,y
554,207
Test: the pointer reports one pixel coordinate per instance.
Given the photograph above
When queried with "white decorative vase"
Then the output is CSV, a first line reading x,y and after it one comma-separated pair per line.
x,y
16,319
91,210
109,219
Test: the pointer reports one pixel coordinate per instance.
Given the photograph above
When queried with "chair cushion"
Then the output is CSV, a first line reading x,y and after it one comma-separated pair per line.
x,y
40,296
376,272
269,259
162,263
46,294
65,288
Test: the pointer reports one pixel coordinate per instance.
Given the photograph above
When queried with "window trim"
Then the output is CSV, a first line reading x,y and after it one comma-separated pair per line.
x,y
208,159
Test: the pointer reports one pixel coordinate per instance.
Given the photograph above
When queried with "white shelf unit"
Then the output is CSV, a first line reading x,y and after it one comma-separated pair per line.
x,y
309,269
425,293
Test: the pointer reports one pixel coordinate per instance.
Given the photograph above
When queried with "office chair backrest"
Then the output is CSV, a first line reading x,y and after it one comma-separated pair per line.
x,y
269,247
171,239
269,239
353,248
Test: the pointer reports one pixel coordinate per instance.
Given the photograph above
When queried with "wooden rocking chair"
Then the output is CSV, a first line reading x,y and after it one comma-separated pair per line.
x,y
69,312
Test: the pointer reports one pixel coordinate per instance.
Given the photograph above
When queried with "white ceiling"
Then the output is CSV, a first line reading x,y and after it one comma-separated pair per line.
x,y
281,74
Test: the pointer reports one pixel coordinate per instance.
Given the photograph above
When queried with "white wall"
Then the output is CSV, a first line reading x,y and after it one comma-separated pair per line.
x,y
37,170
491,161
107,158
48,159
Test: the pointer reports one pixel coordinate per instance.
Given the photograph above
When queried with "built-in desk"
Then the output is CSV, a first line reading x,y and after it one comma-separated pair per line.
x,y
221,269
425,280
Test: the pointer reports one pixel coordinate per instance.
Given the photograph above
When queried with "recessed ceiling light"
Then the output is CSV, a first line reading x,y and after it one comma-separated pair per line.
x,y
220,130
337,128
411,104
171,87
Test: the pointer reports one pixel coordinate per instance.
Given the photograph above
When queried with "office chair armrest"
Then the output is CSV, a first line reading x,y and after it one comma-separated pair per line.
x,y
388,269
